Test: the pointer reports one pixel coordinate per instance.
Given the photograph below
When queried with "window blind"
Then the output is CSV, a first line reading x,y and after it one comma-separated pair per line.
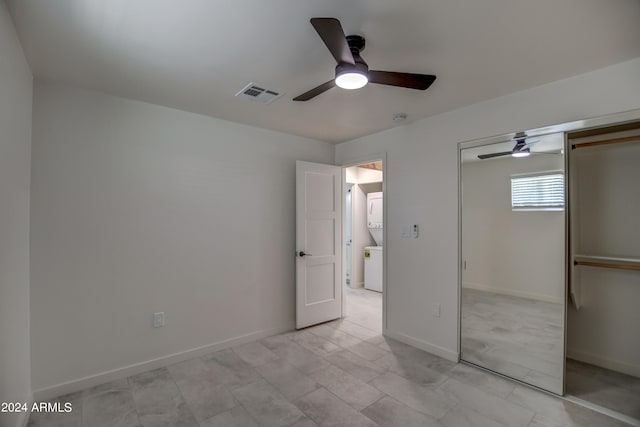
x,y
538,192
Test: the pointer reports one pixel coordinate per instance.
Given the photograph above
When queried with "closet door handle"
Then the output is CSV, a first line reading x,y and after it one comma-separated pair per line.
x,y
303,254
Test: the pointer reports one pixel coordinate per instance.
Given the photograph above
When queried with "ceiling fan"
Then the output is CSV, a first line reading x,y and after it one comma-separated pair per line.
x,y
521,149
352,72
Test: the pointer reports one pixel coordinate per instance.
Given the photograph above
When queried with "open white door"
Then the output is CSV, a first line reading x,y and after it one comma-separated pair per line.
x,y
318,243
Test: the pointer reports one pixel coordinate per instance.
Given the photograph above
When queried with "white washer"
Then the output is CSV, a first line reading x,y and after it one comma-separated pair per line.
x,y
373,268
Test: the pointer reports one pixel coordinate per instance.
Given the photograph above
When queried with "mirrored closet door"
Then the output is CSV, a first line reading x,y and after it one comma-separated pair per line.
x,y
513,259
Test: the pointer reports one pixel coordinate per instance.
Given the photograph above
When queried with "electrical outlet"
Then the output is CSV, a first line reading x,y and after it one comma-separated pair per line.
x,y
436,310
158,319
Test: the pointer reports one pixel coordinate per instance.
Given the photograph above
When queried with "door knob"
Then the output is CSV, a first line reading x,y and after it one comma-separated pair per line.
x,y
302,253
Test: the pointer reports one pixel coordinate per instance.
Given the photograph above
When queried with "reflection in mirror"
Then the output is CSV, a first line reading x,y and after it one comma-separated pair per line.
x,y
513,259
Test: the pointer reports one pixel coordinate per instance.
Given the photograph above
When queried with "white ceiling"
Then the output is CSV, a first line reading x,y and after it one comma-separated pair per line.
x,y
195,55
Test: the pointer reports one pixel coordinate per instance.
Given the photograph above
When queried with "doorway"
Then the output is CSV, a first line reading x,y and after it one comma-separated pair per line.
x,y
364,270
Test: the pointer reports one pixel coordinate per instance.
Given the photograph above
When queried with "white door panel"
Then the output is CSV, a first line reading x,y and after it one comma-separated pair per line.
x,y
319,243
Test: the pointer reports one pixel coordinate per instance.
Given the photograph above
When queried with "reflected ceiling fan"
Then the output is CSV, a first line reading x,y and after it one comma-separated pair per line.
x,y
521,149
352,72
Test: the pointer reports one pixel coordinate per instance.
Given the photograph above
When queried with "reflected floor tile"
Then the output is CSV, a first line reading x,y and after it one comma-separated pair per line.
x,y
236,417
266,405
288,380
420,398
486,404
513,336
347,387
472,345
388,412
325,409
255,354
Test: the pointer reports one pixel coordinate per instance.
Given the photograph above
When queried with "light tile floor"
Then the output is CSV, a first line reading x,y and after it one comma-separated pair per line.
x,y
604,387
343,373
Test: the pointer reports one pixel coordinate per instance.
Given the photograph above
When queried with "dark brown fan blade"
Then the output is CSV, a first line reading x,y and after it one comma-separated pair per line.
x,y
332,34
315,91
409,80
490,155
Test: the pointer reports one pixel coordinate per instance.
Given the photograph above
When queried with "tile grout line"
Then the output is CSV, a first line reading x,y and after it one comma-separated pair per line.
x,y
135,405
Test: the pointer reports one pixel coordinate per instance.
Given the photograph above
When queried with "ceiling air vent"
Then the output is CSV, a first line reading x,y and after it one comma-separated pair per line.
x,y
259,94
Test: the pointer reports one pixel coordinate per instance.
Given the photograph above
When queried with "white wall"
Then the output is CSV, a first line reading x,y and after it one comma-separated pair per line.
x,y
519,253
421,178
16,85
604,331
368,175
365,181
139,209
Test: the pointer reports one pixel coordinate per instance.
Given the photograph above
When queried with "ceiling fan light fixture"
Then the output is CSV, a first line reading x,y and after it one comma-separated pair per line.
x,y
525,152
351,79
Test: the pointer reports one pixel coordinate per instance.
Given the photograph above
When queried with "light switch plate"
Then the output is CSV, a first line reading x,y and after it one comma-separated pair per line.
x,y
158,319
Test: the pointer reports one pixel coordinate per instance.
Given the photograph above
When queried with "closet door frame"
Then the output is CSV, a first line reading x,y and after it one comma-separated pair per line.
x,y
566,128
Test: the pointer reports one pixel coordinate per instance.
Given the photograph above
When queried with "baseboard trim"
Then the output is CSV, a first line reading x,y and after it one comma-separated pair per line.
x,y
604,362
603,410
423,345
61,389
513,293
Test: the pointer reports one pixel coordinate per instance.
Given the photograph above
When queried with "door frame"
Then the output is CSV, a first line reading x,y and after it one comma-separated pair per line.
x,y
385,271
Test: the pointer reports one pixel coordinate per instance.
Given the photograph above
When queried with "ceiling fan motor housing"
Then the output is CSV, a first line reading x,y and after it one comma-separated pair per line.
x,y
356,45
361,68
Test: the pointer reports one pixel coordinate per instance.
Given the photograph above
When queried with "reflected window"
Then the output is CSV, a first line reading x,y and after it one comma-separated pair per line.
x,y
538,192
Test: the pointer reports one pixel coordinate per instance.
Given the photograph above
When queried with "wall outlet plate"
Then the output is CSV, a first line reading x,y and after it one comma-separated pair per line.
x,y
158,319
436,310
